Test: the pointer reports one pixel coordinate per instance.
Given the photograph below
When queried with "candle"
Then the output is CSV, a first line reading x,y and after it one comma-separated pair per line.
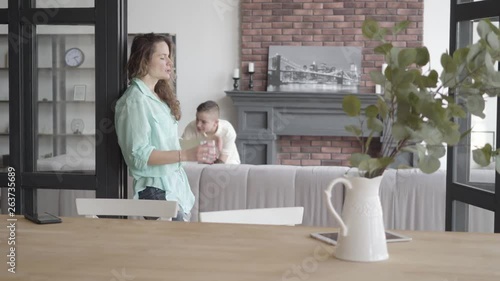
x,y
250,67
378,88
384,66
236,73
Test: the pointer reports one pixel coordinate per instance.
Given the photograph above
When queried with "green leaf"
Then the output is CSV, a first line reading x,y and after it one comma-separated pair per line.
x,y
370,28
492,27
466,133
382,107
353,129
410,148
460,55
449,80
475,105
422,57
437,150
475,52
407,57
382,32
430,80
383,49
451,134
374,124
406,79
456,110
400,132
375,166
403,112
377,77
430,135
421,149
493,40
357,158
482,156
483,29
365,165
429,164
400,26
448,63
351,105
394,59
371,111
488,61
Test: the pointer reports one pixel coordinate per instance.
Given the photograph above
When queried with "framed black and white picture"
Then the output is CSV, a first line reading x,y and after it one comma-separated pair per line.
x,y
79,92
314,69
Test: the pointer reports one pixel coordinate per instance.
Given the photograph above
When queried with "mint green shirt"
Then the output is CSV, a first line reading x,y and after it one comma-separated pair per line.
x,y
144,123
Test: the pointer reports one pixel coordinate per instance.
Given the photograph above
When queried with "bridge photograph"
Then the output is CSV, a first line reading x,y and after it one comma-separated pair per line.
x,y
314,69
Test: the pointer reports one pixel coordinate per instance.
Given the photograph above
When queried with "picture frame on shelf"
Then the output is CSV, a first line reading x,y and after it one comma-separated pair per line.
x,y
79,92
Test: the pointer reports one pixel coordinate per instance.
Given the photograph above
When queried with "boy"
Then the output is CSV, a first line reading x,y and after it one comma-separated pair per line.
x,y
208,126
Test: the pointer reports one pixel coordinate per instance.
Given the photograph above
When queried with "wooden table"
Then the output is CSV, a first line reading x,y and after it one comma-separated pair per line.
x,y
122,250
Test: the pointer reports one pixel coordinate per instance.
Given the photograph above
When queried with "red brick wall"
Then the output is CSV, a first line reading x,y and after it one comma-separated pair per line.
x,y
319,151
320,23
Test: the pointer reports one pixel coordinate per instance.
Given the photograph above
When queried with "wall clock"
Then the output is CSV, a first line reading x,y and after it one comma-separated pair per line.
x,y
74,57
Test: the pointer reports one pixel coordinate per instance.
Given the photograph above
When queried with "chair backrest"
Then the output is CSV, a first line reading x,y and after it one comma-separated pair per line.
x,y
270,216
93,207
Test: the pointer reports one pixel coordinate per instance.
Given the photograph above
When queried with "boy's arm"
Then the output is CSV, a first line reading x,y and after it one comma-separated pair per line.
x,y
229,141
222,159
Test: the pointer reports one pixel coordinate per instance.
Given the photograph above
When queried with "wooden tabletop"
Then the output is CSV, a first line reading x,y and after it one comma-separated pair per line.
x,y
122,250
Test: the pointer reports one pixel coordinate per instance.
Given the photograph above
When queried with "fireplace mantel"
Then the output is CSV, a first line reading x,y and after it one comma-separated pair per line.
x,y
262,116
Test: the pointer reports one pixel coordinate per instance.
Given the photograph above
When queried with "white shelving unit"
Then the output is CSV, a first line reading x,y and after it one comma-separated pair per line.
x,y
59,109
56,106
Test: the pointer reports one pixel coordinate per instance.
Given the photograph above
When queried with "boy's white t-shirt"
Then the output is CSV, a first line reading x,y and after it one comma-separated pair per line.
x,y
191,137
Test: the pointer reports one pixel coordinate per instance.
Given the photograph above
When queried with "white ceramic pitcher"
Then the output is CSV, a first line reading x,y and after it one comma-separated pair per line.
x,y
362,232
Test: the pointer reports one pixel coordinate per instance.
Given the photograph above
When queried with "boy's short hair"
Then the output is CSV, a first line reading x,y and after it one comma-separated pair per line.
x,y
208,106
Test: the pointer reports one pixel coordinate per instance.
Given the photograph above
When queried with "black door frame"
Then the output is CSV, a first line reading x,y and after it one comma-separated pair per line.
x,y
110,20
472,194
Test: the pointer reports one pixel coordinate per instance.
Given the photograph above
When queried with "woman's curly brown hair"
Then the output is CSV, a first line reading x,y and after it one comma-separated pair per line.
x,y
142,49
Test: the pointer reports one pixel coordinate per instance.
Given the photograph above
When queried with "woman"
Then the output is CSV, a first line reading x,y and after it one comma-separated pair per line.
x,y
146,120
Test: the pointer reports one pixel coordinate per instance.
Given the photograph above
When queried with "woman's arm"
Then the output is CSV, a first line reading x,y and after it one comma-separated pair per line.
x,y
199,154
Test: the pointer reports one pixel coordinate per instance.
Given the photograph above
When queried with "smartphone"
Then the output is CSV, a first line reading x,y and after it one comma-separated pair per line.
x,y
331,237
44,218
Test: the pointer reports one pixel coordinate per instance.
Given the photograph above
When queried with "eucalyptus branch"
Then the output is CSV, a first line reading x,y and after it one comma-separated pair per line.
x,y
360,139
368,141
400,145
462,80
472,74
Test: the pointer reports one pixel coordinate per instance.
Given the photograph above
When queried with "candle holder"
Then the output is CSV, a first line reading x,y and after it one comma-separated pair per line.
x,y
236,85
250,83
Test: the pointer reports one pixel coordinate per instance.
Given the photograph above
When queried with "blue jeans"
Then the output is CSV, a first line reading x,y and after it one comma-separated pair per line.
x,y
153,193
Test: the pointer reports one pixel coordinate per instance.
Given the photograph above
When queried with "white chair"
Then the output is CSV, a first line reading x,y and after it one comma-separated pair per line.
x,y
269,216
93,207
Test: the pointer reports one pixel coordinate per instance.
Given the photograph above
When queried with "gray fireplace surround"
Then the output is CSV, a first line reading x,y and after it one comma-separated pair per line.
x,y
263,116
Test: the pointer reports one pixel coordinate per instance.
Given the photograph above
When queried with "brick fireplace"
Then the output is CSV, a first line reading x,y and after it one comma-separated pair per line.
x,y
267,23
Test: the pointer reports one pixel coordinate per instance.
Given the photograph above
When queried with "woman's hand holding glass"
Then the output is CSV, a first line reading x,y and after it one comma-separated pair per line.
x,y
207,152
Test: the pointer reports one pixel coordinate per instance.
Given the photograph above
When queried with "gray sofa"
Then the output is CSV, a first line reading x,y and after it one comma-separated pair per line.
x,y
227,187
410,199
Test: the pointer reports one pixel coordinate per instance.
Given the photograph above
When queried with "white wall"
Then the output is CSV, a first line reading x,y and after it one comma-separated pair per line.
x,y
207,34
437,35
208,45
